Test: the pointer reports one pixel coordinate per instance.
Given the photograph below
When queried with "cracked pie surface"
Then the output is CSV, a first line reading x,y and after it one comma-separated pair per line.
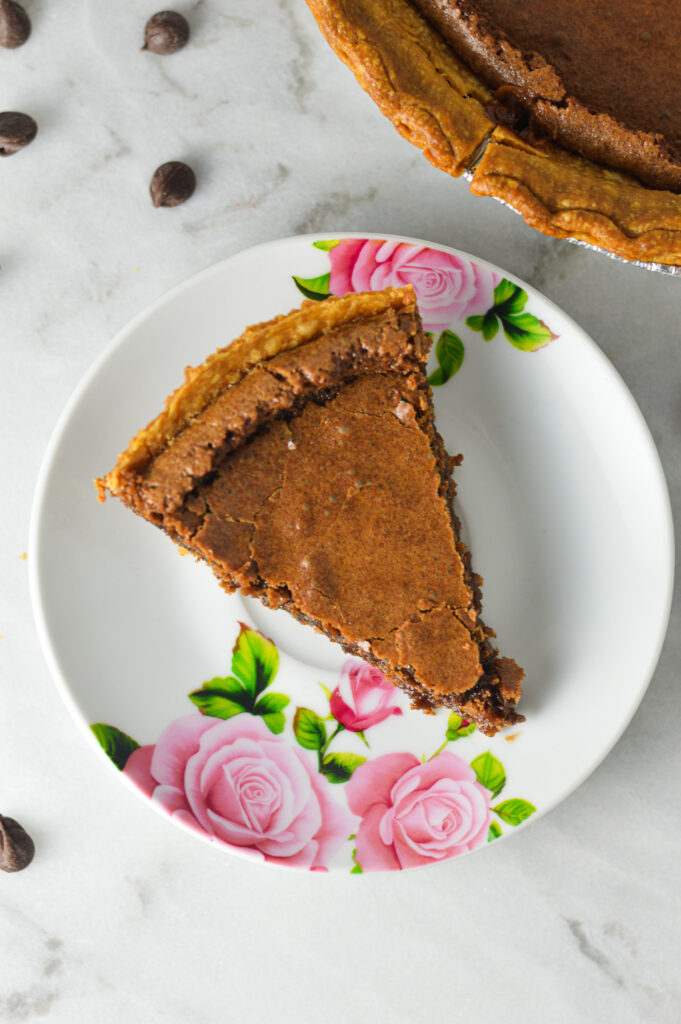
x,y
568,113
303,464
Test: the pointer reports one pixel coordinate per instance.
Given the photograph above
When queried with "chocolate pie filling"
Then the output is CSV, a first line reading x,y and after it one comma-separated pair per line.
x,y
602,79
318,483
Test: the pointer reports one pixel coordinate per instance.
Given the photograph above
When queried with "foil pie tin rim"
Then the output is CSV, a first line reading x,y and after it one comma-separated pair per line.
x,y
670,269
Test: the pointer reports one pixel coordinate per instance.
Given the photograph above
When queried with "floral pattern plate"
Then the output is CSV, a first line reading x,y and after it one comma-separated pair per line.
x,y
257,734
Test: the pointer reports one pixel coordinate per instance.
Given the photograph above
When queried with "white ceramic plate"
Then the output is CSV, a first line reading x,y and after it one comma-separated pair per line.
x,y
565,508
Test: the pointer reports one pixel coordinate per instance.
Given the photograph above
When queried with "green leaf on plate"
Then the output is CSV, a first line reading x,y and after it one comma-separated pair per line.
x,y
316,288
327,691
271,706
357,870
230,686
456,729
255,660
339,767
449,352
526,332
513,306
494,831
218,704
276,722
309,729
116,744
475,322
326,246
514,811
271,702
490,326
490,772
505,292
523,330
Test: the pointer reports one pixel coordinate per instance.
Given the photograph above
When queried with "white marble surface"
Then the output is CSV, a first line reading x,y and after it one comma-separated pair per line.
x,y
121,916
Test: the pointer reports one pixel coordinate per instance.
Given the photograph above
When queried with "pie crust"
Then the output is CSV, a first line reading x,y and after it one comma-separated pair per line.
x,y
440,105
302,463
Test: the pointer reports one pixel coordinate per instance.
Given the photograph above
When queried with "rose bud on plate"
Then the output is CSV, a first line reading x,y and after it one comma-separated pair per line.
x,y
363,698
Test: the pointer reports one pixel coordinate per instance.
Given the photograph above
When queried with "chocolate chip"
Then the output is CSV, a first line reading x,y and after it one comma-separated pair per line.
x,y
16,846
166,32
173,183
16,131
506,108
15,24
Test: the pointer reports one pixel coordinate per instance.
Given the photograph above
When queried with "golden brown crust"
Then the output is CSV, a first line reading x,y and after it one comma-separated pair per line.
x,y
307,511
439,105
415,79
226,366
536,59
567,196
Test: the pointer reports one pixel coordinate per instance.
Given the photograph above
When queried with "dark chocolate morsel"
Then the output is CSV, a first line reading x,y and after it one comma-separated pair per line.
x,y
16,846
166,32
173,183
15,24
16,131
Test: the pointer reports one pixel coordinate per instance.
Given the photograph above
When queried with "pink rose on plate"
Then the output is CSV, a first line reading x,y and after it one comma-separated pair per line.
x,y
447,287
363,698
414,813
243,786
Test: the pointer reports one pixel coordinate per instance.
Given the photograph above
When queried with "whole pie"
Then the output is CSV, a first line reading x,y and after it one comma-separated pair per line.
x,y
302,463
567,110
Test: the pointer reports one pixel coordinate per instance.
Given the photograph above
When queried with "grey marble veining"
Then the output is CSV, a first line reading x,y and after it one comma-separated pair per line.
x,y
122,916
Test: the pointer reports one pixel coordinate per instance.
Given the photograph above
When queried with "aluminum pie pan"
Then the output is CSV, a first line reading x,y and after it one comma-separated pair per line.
x,y
669,269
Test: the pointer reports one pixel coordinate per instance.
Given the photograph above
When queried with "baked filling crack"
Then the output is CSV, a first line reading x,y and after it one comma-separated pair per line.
x,y
584,96
316,481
